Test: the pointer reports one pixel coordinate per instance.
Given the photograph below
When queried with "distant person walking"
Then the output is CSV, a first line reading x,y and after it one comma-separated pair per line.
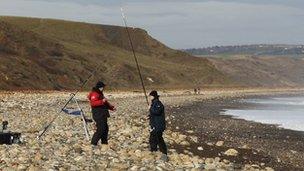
x,y
158,126
100,110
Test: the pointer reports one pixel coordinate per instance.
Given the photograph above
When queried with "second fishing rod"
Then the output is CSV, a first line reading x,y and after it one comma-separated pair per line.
x,y
47,127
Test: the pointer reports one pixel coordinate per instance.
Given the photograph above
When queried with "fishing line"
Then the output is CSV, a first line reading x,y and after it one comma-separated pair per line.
x,y
134,55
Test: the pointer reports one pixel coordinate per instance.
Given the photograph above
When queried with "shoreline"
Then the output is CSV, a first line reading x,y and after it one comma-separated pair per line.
x,y
251,139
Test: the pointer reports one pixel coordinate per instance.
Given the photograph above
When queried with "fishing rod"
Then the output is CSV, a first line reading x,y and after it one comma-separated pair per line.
x,y
134,55
46,128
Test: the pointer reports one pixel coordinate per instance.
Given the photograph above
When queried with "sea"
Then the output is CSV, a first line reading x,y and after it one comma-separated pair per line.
x,y
286,112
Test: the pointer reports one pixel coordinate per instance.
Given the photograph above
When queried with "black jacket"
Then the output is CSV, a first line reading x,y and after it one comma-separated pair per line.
x,y
157,116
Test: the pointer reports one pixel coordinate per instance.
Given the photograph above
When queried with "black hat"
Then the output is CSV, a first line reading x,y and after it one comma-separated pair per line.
x,y
100,84
154,93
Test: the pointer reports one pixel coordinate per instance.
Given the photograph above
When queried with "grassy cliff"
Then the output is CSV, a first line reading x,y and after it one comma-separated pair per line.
x,y
54,54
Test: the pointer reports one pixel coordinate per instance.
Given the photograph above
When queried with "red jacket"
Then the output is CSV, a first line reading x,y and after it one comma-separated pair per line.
x,y
98,100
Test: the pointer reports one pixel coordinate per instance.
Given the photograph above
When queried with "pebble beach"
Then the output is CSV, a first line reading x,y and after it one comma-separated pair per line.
x,y
64,147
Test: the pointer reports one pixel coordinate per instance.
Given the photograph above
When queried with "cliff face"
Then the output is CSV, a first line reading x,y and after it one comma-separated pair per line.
x,y
257,65
263,71
54,54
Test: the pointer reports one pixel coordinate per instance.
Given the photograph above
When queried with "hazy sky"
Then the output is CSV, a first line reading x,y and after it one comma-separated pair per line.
x,y
182,23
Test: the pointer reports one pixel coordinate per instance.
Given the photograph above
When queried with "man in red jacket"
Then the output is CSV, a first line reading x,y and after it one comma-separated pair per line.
x,y
100,110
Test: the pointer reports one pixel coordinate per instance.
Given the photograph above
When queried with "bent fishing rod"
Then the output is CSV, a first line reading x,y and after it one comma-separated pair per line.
x,y
46,128
134,55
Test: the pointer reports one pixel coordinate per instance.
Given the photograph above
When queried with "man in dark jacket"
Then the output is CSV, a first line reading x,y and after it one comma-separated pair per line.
x,y
100,109
158,125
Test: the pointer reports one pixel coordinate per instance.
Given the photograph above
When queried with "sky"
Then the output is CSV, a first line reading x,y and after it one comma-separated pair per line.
x,y
182,24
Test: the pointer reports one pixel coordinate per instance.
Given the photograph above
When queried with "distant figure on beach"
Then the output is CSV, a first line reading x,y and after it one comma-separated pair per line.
x,y
100,110
198,90
195,91
158,126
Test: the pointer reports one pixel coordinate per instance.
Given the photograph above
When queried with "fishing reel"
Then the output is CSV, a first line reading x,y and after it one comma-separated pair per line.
x,y
7,137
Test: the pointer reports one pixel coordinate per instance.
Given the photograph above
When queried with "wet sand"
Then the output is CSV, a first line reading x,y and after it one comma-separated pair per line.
x,y
257,144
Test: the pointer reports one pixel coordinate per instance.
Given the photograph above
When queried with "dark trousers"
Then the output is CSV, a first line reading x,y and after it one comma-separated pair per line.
x,y
156,139
101,132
